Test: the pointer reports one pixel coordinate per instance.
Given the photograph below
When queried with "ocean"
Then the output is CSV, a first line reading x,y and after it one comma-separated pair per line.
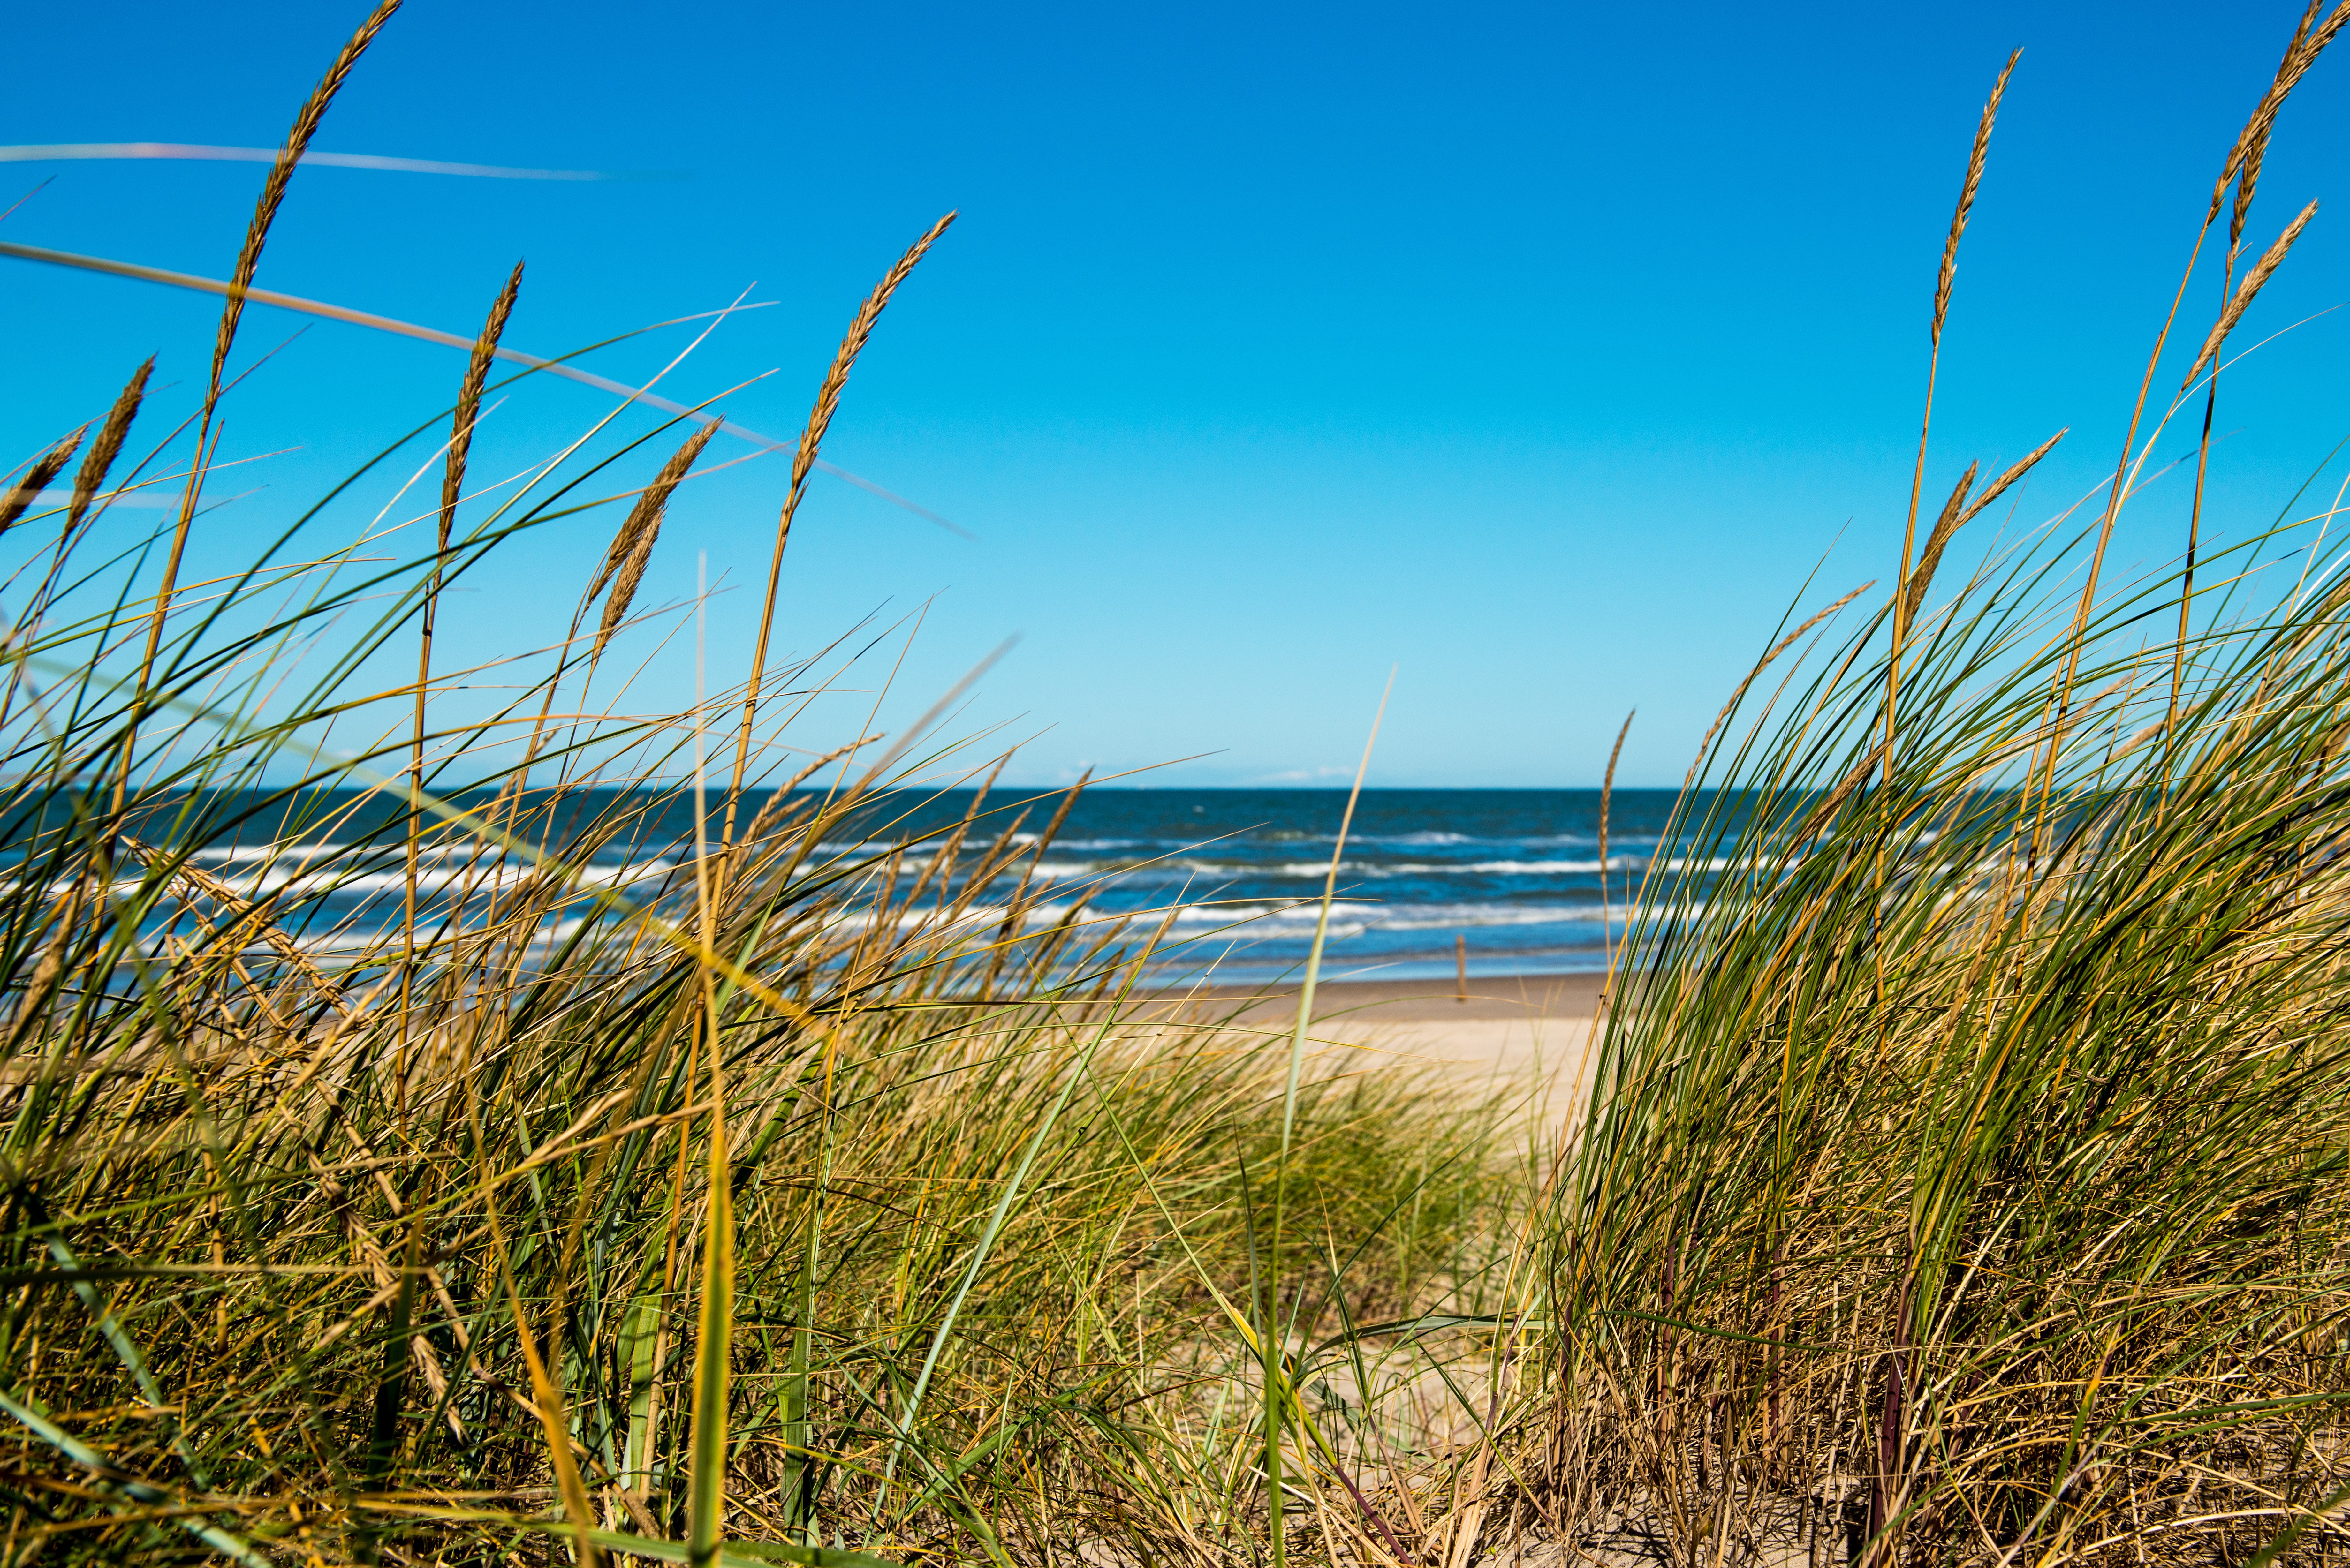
x,y
1515,873
1237,874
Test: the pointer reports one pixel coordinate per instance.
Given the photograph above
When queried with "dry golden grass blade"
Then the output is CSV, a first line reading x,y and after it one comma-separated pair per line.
x,y
1761,664
828,402
713,1345
109,446
547,1401
469,401
1968,189
1967,195
2263,270
46,467
245,915
2245,158
265,213
281,175
453,481
1606,795
1956,516
638,532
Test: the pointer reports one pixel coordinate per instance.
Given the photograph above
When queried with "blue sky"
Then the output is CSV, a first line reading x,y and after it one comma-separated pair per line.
x,y
1541,352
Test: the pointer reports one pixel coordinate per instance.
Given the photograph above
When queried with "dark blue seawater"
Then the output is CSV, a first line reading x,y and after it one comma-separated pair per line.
x,y
1514,872
1238,874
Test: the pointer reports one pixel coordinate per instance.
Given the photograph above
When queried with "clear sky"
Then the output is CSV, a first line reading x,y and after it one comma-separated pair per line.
x,y
1541,351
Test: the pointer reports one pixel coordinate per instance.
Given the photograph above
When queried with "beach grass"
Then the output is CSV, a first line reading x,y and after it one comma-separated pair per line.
x,y
1966,1179
1962,1174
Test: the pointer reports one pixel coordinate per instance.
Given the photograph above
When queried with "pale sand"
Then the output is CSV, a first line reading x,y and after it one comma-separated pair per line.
x,y
1520,1031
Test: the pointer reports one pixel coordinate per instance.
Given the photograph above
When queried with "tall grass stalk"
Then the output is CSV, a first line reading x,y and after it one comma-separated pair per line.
x,y
1273,1334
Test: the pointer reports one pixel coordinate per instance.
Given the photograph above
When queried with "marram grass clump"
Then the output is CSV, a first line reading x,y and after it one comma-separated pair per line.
x,y
1968,1175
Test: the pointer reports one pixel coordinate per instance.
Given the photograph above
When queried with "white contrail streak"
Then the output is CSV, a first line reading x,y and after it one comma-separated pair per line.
x,y
59,151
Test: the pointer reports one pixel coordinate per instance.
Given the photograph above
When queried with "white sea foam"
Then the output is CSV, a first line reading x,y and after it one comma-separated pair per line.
x,y
1471,917
1503,867
1182,869
1171,869
432,878
1273,921
296,858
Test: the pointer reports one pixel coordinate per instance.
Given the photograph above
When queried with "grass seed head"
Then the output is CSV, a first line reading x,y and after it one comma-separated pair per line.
x,y
469,401
2251,148
1954,518
46,467
108,445
281,175
1967,195
2246,292
852,344
632,546
1944,526
1784,643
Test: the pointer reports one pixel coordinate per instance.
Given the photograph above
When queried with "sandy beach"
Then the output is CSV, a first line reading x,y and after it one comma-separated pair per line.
x,y
1522,1027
